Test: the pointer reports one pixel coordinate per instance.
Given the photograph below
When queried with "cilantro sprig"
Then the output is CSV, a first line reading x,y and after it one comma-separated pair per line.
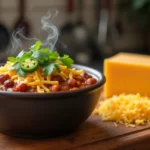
x,y
47,59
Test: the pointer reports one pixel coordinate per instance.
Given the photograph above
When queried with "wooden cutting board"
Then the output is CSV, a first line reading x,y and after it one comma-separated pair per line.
x,y
93,134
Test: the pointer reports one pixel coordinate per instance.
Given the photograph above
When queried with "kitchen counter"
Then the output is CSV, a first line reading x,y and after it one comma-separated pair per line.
x,y
93,134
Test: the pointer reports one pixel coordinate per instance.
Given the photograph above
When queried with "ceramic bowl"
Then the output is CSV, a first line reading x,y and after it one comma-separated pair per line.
x,y
41,115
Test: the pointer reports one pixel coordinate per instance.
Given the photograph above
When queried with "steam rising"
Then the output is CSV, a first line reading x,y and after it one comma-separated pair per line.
x,y
47,25
16,41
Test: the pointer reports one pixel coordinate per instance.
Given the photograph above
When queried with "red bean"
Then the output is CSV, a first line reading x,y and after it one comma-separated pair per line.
x,y
72,83
83,86
3,78
75,88
8,83
79,78
57,78
7,76
21,87
79,83
86,75
55,88
90,81
65,88
14,89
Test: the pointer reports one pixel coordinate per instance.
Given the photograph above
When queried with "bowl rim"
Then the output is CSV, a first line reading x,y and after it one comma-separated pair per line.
x,y
98,74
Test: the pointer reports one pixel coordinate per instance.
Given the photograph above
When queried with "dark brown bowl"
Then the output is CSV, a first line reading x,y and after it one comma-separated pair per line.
x,y
40,115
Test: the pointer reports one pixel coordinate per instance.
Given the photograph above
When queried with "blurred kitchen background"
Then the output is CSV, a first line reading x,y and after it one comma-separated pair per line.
x,y
89,30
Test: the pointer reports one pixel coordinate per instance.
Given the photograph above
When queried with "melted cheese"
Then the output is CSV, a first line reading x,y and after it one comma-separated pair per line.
x,y
127,73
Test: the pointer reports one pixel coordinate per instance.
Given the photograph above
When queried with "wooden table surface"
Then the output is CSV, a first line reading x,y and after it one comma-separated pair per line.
x,y
93,134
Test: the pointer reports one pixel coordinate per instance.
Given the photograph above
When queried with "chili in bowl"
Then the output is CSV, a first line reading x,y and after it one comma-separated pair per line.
x,y
53,98
78,82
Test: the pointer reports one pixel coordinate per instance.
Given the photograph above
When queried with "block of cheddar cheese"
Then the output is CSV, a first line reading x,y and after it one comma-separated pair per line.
x,y
127,73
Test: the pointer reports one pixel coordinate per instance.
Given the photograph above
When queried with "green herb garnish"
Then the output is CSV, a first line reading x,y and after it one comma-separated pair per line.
x,y
47,59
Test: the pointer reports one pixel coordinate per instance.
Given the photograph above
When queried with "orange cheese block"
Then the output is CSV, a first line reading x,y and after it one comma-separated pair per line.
x,y
127,73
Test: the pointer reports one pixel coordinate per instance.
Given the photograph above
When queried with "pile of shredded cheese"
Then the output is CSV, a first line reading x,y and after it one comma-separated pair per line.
x,y
130,110
37,79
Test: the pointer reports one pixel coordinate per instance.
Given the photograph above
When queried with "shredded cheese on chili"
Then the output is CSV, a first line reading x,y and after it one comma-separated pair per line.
x,y
130,110
37,79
